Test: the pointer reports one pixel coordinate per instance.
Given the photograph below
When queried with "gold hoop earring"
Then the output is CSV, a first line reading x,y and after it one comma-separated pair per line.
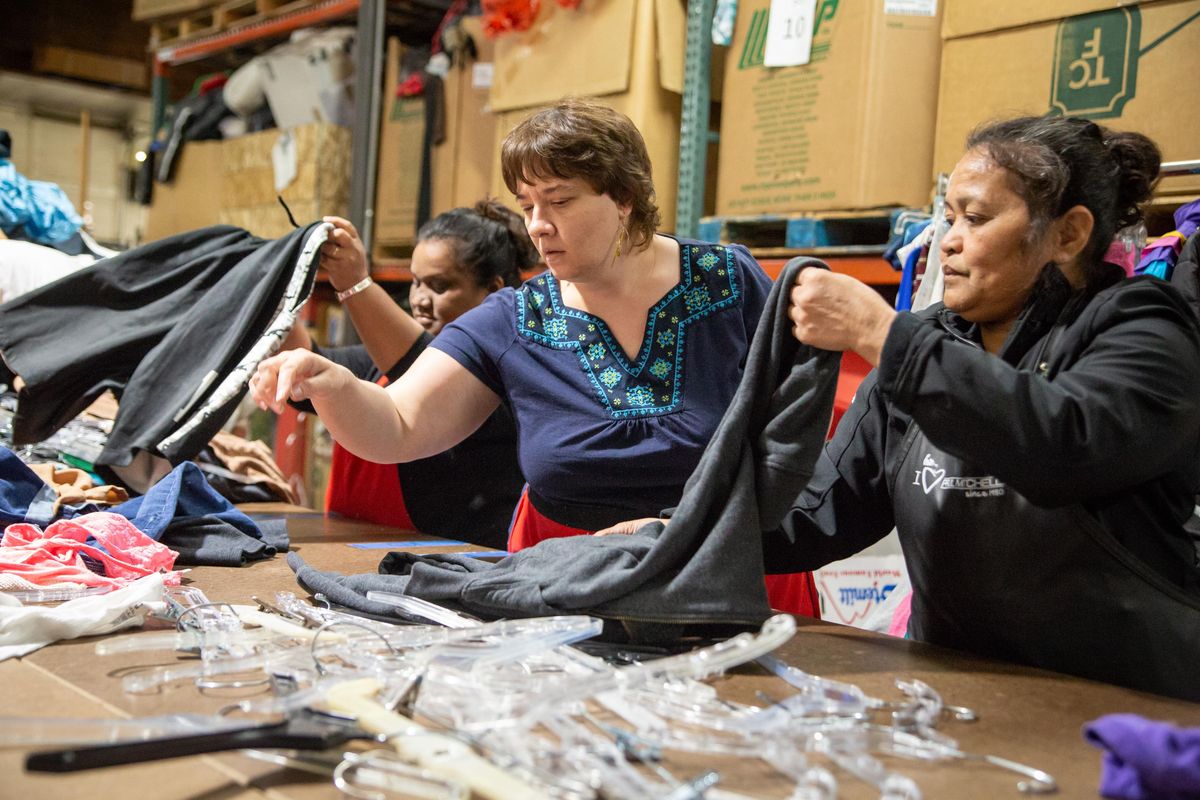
x,y
620,241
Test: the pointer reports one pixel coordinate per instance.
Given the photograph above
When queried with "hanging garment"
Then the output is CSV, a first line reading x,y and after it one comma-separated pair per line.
x,y
175,328
1159,257
1186,275
706,566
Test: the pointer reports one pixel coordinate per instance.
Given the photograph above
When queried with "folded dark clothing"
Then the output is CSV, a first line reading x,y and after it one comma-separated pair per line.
x,y
1146,759
706,567
213,542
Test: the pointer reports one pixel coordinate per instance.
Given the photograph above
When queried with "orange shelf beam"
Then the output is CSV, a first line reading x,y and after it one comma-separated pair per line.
x,y
284,23
874,271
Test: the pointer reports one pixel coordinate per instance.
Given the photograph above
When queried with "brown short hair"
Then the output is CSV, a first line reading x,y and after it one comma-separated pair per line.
x,y
584,139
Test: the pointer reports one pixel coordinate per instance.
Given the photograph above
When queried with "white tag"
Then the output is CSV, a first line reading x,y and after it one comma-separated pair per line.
x,y
789,33
481,75
283,159
911,8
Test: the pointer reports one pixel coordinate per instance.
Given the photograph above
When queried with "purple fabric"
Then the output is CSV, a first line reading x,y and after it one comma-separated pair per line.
x,y
1145,759
1187,222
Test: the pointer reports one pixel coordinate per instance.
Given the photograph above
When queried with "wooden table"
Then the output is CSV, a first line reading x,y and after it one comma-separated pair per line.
x,y
1027,715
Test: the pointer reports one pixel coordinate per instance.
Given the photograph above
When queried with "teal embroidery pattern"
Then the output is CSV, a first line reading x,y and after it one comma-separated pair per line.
x,y
640,395
556,328
652,382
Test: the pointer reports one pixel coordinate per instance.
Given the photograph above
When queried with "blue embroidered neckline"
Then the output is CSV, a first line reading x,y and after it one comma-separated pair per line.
x,y
653,382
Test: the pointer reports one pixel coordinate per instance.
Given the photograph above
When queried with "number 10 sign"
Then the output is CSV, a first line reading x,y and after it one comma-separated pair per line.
x,y
789,33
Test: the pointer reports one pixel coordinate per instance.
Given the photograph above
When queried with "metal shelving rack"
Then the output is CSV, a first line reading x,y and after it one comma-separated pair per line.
x,y
693,127
364,136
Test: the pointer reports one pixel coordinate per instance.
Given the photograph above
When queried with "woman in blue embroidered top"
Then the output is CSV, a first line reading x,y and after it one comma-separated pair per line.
x,y
618,362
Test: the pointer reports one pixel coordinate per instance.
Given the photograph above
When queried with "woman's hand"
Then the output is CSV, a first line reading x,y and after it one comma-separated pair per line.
x,y
296,375
837,312
629,526
343,255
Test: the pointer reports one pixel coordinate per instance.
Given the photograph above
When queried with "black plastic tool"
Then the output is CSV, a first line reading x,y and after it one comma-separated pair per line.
x,y
303,730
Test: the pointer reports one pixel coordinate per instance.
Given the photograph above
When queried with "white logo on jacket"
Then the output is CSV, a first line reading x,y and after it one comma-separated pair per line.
x,y
931,476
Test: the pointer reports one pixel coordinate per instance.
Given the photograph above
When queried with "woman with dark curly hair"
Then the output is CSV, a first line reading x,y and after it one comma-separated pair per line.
x,y
461,258
1035,440
618,362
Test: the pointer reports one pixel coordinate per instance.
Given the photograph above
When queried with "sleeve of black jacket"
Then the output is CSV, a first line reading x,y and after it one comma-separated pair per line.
x,y
1052,440
706,566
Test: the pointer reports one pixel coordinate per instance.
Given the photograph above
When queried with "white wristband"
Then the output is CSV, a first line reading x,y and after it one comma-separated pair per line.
x,y
355,289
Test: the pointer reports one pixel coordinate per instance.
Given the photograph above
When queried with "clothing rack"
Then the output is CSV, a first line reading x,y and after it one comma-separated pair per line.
x,y
1191,167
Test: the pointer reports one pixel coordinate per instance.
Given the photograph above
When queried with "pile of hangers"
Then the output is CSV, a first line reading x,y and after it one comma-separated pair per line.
x,y
499,710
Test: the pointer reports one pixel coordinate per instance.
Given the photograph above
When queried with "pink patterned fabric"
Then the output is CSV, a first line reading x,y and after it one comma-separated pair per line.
x,y
56,555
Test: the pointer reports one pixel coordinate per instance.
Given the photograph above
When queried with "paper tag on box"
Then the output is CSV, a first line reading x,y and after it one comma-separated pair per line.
x,y
911,8
481,75
789,33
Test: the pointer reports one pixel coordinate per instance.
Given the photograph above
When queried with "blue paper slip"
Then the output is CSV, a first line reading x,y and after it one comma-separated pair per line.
x,y
402,545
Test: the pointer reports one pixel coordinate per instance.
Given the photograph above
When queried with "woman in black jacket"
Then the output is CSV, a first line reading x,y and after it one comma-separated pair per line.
x,y
1034,439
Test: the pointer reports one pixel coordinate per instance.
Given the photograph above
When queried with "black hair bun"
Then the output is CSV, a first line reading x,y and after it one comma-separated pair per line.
x,y
1138,160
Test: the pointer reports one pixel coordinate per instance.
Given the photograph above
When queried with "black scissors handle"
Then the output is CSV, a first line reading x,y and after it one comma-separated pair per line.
x,y
303,731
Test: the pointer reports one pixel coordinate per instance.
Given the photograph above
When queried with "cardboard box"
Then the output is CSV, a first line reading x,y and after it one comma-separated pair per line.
x,y
852,129
625,53
193,199
89,66
1127,68
321,185
401,147
462,164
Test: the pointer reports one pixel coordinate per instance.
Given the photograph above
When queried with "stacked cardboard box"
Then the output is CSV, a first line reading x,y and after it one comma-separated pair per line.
x,y
852,129
624,53
1125,66
321,185
233,183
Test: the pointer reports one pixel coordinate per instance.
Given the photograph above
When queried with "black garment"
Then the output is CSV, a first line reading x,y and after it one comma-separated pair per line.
x,y
174,328
196,118
1040,495
706,567
1186,275
468,492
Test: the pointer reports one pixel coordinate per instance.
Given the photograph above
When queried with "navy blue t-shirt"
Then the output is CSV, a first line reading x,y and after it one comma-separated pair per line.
x,y
601,437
